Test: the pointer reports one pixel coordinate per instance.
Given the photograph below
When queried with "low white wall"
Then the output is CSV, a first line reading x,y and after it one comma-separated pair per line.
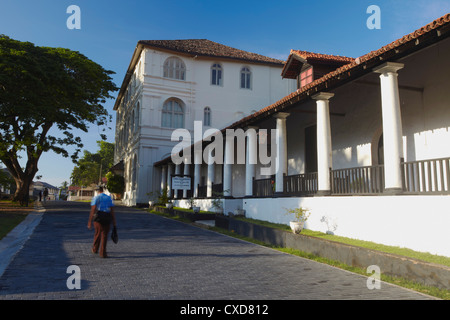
x,y
420,223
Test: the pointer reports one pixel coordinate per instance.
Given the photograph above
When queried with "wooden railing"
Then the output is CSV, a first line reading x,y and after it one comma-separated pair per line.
x,y
300,184
427,176
359,180
217,188
419,177
263,187
202,191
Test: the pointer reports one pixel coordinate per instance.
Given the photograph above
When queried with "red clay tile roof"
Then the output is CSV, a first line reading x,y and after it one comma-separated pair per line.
x,y
297,58
207,48
319,56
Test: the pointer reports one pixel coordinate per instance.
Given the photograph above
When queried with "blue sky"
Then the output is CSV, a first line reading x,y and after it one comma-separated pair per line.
x,y
110,30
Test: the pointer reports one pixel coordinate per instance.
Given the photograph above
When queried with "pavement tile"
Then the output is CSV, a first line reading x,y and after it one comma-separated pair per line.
x,y
161,259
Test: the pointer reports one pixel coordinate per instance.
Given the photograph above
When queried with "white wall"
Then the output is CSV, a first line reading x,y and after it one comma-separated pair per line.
x,y
420,223
196,92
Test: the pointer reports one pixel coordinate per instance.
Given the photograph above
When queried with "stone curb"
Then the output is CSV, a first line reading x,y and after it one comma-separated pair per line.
x,y
390,264
13,242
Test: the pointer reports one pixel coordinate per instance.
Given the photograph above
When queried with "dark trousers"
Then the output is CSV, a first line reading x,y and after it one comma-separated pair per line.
x,y
100,238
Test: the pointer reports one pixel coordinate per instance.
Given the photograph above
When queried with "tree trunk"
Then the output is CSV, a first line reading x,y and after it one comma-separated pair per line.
x,y
23,178
22,194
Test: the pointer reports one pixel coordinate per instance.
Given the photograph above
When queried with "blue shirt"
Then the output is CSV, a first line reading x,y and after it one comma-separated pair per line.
x,y
103,202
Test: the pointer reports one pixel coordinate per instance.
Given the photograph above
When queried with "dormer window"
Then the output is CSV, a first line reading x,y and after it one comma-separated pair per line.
x,y
306,77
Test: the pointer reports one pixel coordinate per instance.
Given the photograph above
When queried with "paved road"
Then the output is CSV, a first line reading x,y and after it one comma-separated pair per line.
x,y
162,259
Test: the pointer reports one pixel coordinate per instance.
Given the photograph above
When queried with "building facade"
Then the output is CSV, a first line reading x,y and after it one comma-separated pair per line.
x,y
365,145
169,85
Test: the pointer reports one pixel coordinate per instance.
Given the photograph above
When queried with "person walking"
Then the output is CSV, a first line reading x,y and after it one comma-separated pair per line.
x,y
102,214
45,194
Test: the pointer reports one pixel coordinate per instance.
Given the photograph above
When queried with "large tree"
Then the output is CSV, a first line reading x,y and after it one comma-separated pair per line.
x,y
42,88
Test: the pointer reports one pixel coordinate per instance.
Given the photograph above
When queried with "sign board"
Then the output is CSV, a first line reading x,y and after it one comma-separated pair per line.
x,y
181,183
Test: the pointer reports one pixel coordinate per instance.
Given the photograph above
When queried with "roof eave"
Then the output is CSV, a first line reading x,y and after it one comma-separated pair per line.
x,y
128,74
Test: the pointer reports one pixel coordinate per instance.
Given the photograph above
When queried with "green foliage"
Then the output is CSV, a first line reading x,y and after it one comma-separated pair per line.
x,y
43,88
116,183
6,181
92,166
163,198
300,214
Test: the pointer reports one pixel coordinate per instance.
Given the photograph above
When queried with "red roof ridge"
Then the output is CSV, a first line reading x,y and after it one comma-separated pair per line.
x,y
208,48
306,55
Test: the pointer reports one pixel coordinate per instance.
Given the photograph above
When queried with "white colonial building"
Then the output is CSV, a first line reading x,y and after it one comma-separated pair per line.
x,y
170,84
362,142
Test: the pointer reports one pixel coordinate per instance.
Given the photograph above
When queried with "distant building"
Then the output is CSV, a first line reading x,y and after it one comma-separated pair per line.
x,y
39,186
6,188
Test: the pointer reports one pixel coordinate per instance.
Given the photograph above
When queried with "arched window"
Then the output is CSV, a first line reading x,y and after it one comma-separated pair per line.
x,y
174,68
216,74
246,78
207,116
172,114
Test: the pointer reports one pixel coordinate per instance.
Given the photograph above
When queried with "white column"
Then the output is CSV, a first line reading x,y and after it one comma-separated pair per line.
x,y
177,171
281,157
251,159
228,166
186,173
197,172
169,179
392,125
324,157
163,178
211,173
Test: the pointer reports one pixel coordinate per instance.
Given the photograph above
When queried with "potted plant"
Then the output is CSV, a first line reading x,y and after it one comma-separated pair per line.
x,y
193,206
301,215
153,196
239,212
217,205
331,224
163,199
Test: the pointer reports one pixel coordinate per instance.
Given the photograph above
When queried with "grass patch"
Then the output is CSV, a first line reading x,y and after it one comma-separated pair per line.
x,y
167,215
9,221
191,211
11,214
424,256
